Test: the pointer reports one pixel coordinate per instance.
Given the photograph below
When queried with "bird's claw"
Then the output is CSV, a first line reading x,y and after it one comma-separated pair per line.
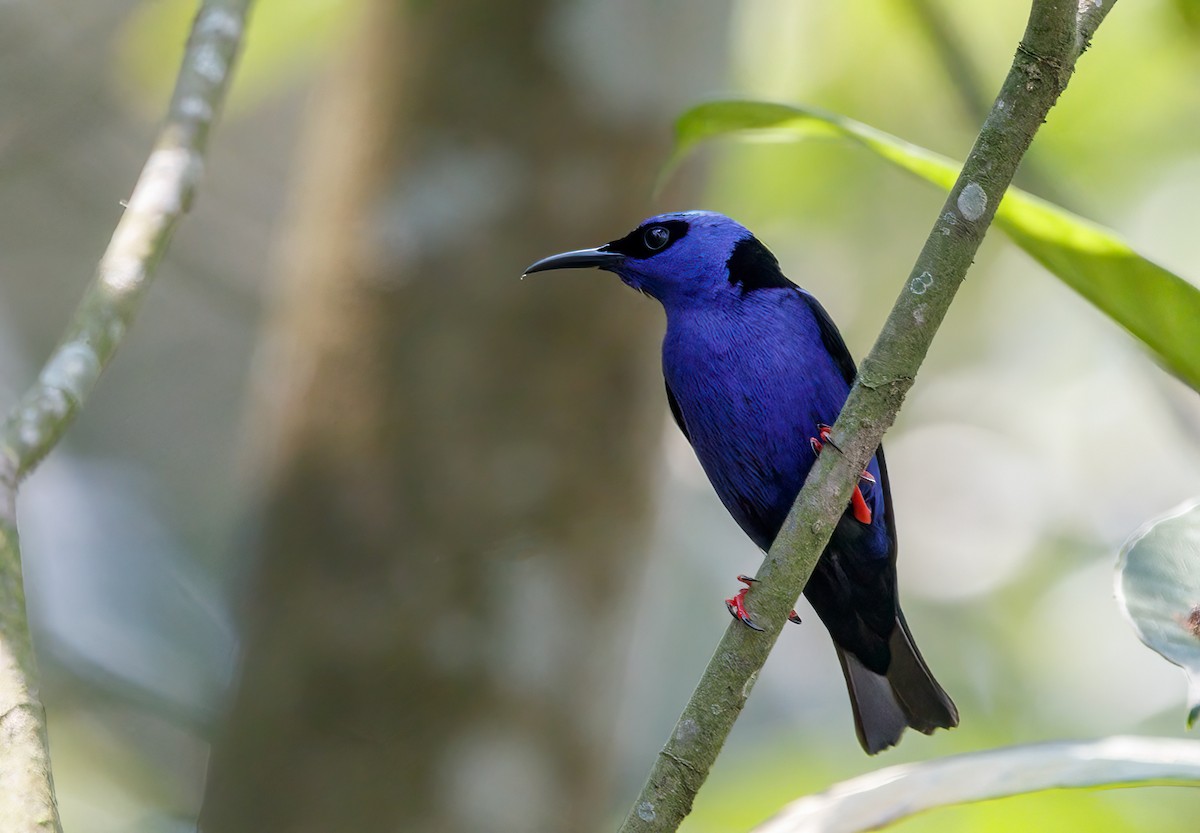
x,y
825,432
858,504
736,604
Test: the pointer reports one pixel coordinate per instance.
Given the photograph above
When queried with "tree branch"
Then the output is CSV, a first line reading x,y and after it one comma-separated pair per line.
x,y
161,197
1054,37
889,795
958,67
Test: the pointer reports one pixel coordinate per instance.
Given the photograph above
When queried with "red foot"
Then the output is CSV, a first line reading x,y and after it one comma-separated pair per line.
x,y
824,431
736,605
858,504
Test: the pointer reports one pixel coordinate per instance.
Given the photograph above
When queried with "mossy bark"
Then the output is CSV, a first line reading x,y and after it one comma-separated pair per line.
x,y
34,425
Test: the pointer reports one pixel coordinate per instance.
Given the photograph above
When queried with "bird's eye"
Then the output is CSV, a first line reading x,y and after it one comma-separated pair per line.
x,y
656,237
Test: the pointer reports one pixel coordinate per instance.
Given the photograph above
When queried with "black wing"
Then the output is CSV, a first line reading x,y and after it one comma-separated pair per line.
x,y
676,412
831,338
836,345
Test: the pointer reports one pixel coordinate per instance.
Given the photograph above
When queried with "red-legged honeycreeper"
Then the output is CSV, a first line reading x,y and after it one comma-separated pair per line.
x,y
756,371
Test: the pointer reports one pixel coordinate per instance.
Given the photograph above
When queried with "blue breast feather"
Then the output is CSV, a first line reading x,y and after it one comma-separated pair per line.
x,y
748,384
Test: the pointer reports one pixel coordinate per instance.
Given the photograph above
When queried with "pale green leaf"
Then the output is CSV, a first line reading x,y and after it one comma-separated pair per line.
x,y
883,797
1158,588
1156,306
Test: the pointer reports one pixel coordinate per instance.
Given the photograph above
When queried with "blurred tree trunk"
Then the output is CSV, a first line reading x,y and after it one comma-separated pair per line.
x,y
454,466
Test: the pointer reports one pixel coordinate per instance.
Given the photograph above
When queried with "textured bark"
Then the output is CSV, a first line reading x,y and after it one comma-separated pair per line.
x,y
36,423
454,465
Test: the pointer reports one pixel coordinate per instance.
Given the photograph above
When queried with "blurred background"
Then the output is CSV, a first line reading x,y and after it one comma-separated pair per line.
x,y
361,532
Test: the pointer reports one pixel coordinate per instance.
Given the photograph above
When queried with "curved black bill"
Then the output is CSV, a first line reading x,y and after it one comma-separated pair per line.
x,y
581,259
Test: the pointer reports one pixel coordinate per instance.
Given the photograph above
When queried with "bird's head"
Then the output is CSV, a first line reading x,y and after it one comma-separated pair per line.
x,y
681,257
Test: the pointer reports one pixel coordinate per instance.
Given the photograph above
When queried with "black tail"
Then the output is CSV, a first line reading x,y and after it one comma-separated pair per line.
x,y
884,706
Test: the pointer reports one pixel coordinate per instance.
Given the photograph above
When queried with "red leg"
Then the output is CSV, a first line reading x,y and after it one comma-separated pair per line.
x,y
858,504
862,512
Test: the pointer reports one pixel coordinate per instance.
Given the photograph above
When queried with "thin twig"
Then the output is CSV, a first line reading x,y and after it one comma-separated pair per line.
x,y
35,424
1039,73
964,77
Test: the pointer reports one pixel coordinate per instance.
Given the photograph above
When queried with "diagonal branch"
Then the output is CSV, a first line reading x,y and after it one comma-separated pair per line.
x,y
1056,34
160,198
37,422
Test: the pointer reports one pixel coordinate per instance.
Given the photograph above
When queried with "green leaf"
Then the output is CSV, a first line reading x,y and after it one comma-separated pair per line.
x,y
1158,588
1156,306
883,797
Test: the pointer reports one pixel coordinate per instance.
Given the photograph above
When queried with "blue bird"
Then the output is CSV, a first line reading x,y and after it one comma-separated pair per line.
x,y
756,371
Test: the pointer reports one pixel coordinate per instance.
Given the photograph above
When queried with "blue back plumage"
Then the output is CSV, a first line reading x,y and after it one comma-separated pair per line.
x,y
753,365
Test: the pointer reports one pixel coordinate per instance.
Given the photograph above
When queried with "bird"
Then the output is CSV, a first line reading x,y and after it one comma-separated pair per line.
x,y
756,372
